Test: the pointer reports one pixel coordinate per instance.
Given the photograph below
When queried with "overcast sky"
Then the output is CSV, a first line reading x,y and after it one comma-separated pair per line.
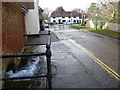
x,y
67,4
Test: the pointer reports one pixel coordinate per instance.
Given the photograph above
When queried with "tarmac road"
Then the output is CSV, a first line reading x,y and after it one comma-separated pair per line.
x,y
83,59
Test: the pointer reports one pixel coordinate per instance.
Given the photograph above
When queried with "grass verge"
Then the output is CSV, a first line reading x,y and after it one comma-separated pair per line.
x,y
100,31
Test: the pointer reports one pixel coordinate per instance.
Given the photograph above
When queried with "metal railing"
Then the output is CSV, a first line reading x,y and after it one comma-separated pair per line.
x,y
47,54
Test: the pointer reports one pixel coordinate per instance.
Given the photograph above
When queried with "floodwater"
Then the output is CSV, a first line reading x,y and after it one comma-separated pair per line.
x,y
30,69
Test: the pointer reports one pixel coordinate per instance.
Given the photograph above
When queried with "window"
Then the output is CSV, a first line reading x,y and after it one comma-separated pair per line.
x,y
63,17
74,17
74,21
80,21
64,21
53,17
69,17
54,21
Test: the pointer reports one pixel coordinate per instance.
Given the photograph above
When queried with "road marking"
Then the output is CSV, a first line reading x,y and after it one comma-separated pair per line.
x,y
107,68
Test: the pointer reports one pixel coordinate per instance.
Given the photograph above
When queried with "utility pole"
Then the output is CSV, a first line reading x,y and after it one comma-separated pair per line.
x,y
96,20
71,18
97,9
82,17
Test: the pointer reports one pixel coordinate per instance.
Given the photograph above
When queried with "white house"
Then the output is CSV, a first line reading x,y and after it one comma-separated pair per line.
x,y
32,20
60,16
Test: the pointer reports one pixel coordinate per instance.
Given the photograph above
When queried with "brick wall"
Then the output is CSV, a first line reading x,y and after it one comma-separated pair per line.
x,y
0,24
30,5
13,28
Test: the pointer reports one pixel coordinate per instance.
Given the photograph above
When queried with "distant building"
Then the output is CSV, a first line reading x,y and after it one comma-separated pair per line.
x,y
60,16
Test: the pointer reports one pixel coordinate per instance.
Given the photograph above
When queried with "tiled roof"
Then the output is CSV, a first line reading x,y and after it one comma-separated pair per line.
x,y
65,14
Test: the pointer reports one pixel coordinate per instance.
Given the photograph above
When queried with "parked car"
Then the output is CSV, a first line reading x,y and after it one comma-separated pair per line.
x,y
46,25
50,23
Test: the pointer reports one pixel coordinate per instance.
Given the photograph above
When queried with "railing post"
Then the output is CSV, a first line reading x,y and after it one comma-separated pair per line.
x,y
49,73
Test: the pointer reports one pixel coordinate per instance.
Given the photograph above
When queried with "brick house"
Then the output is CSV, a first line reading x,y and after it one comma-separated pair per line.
x,y
13,29
60,16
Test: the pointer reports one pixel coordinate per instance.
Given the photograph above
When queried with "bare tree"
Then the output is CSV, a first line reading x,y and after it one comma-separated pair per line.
x,y
109,8
46,14
78,10
92,10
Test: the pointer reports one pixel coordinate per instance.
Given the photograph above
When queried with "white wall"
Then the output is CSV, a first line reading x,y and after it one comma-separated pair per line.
x,y
32,20
66,18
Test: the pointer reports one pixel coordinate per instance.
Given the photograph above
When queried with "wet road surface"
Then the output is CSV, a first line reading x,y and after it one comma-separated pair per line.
x,y
73,67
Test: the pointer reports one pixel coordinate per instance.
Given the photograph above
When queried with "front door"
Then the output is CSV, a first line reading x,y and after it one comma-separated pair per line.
x,y
59,21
